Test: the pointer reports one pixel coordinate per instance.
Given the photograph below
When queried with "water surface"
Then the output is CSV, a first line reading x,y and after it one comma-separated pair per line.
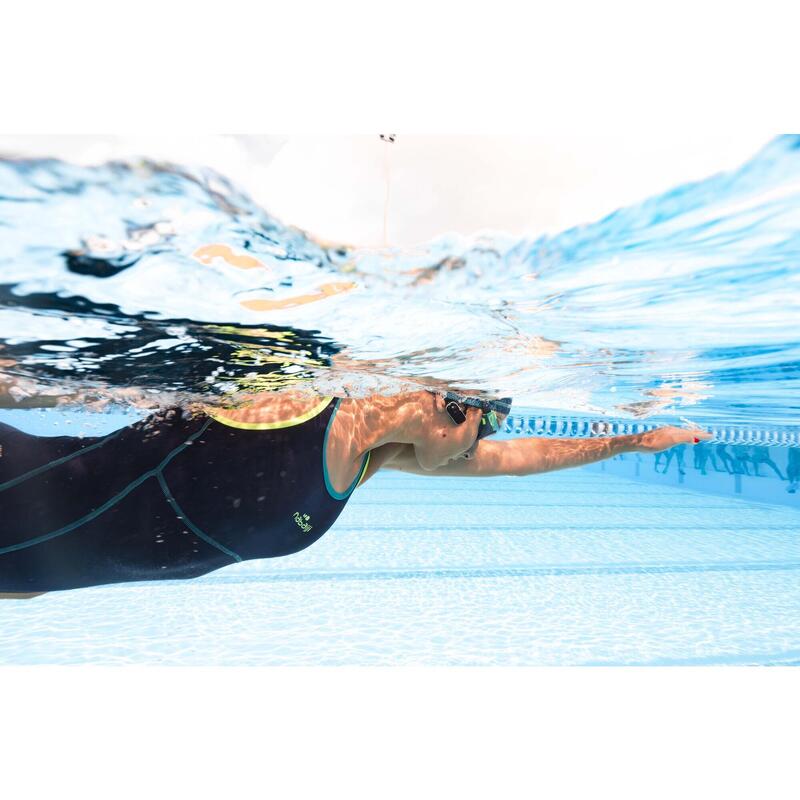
x,y
160,279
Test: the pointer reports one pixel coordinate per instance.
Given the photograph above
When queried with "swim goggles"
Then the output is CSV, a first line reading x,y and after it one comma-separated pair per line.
x,y
453,405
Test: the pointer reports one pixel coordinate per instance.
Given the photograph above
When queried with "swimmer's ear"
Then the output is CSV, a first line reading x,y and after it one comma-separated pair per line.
x,y
440,404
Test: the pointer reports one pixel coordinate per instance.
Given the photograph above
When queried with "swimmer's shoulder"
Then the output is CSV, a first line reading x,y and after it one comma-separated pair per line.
x,y
376,416
353,416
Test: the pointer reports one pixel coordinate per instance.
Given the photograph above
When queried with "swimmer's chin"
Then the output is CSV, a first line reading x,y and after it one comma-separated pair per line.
x,y
432,467
438,465
429,466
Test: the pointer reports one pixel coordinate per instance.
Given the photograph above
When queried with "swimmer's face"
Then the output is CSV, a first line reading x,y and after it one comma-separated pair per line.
x,y
501,418
445,441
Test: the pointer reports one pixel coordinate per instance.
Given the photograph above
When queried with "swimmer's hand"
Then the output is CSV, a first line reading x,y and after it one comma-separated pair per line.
x,y
663,438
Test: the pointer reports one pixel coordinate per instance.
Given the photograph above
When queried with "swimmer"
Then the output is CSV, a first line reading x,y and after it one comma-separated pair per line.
x,y
186,491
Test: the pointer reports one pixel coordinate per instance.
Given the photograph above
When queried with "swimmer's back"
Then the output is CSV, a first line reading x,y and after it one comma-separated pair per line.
x,y
174,496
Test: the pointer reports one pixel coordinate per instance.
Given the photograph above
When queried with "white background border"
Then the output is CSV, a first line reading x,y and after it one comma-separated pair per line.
x,y
427,68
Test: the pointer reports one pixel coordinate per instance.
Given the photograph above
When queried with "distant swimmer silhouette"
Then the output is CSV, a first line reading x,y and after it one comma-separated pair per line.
x,y
793,469
186,491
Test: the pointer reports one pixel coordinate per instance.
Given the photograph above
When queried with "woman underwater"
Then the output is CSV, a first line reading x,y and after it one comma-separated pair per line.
x,y
189,490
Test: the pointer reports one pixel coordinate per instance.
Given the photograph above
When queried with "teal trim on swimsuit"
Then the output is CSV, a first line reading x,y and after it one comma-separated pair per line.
x,y
62,460
328,485
189,524
108,504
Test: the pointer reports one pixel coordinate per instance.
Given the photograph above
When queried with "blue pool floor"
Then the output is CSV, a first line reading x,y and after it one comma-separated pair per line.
x,y
572,567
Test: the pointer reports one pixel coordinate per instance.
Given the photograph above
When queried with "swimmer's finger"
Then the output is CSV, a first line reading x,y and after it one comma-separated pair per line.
x,y
663,438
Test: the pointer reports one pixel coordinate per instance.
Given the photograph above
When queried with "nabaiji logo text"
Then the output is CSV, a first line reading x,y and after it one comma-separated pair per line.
x,y
302,521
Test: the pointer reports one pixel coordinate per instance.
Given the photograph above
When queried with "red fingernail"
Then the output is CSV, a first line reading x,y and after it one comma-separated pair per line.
x,y
696,440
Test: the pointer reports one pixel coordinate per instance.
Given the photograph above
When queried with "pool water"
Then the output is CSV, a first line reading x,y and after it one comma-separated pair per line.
x,y
567,568
164,279
135,285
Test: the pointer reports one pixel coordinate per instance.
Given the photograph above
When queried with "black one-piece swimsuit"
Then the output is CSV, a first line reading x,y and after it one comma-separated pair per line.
x,y
172,496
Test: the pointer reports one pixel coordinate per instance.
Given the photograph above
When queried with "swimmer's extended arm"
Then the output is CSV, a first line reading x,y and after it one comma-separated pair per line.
x,y
528,456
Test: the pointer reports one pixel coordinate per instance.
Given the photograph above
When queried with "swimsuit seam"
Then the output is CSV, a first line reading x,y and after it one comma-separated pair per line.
x,y
105,506
50,464
180,514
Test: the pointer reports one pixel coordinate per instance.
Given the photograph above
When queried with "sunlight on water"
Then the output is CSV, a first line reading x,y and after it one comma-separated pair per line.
x,y
138,281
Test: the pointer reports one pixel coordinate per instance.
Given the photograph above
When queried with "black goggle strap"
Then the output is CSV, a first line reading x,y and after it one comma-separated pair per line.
x,y
489,423
501,406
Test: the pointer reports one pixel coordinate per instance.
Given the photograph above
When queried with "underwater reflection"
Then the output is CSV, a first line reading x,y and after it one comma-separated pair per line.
x,y
756,472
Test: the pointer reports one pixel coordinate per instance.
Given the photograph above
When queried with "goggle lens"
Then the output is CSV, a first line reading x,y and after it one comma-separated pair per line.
x,y
489,425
